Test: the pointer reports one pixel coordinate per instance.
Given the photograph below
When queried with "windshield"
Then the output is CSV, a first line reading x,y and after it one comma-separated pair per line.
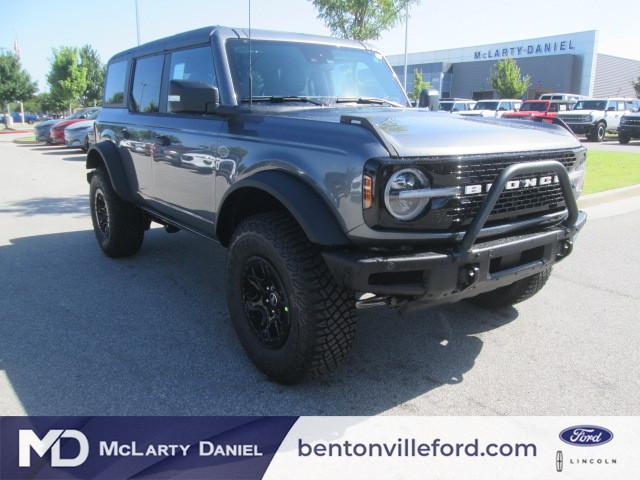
x,y
591,105
292,69
533,107
486,106
446,106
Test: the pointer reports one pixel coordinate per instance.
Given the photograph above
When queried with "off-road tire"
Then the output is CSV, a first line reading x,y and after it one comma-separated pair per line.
x,y
515,293
599,132
623,138
321,314
126,222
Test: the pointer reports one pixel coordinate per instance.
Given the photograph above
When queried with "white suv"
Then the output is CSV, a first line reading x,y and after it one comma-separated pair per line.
x,y
493,108
595,117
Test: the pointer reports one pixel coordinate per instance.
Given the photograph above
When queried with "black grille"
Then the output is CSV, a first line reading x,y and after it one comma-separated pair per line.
x,y
512,204
631,121
575,118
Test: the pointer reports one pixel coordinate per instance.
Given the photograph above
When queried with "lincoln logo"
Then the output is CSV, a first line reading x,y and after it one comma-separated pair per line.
x,y
521,183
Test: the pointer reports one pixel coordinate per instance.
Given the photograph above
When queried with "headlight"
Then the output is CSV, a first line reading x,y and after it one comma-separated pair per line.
x,y
577,174
405,180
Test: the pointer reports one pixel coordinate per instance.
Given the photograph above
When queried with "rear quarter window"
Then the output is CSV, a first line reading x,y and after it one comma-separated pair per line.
x,y
115,83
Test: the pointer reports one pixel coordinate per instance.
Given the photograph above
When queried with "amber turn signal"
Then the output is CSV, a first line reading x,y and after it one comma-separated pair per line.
x,y
367,191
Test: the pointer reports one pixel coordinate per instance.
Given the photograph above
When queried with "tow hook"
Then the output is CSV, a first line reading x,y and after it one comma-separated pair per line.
x,y
467,276
566,248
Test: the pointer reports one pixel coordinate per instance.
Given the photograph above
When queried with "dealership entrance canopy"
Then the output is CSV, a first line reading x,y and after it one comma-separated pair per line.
x,y
568,63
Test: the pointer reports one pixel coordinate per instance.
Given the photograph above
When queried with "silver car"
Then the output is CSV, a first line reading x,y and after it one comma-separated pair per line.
x,y
78,135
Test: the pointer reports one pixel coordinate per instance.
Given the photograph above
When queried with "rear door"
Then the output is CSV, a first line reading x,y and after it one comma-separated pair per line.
x,y
185,153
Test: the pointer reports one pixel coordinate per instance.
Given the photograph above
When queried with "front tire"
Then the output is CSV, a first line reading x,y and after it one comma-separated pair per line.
x,y
515,293
118,225
623,138
293,320
598,133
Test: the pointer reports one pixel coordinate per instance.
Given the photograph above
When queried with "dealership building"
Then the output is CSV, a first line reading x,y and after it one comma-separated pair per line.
x,y
568,63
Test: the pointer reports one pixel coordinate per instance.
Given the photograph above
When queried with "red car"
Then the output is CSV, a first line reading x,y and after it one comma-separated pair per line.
x,y
56,134
538,108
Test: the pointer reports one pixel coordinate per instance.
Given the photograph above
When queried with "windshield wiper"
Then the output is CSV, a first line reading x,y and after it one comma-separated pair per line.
x,y
368,101
280,99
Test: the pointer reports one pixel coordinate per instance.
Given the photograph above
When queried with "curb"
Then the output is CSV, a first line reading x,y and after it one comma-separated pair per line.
x,y
607,196
4,132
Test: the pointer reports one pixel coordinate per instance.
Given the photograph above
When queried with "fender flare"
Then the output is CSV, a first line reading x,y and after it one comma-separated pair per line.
x,y
312,213
107,153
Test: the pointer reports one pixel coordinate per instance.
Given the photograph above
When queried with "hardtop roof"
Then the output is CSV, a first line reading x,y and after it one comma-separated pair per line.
x,y
203,35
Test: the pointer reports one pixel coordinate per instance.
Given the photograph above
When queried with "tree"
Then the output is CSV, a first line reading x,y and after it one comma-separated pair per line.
x,y
43,102
636,87
507,80
360,19
15,83
419,84
90,61
67,78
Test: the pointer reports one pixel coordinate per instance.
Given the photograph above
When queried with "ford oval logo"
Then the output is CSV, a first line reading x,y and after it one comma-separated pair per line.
x,y
586,435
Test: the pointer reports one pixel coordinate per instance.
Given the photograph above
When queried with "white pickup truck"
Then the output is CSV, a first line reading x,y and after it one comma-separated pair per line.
x,y
493,108
595,117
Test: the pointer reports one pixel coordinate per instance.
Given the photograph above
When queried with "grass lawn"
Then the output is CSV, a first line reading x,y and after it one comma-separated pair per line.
x,y
607,170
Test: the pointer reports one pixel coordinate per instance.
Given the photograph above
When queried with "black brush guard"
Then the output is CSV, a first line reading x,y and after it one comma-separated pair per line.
x,y
469,268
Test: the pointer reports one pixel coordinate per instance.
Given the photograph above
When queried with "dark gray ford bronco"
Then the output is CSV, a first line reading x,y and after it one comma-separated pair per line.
x,y
329,191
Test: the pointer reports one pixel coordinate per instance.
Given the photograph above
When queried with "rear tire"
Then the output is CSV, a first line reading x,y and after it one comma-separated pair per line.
x,y
598,133
623,138
515,293
118,225
293,320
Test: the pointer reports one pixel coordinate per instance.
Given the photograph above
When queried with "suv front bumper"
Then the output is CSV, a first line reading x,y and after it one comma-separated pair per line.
x,y
632,131
468,268
447,276
582,128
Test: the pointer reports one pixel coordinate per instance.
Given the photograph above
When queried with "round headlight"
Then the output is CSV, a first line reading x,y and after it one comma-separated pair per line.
x,y
405,180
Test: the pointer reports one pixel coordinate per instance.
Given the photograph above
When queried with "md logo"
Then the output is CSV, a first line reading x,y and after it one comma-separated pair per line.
x,y
28,440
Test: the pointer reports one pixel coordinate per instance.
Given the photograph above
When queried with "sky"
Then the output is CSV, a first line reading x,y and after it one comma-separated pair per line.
x,y
109,26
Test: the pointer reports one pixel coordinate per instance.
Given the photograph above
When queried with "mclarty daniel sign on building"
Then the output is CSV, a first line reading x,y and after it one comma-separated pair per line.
x,y
551,47
582,46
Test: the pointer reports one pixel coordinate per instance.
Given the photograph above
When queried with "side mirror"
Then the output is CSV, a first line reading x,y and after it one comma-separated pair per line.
x,y
611,109
186,96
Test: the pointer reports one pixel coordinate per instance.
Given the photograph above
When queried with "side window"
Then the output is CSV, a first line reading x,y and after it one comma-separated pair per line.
x,y
505,106
195,64
114,85
147,78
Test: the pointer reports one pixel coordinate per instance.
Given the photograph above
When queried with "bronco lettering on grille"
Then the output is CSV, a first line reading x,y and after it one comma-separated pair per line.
x,y
518,184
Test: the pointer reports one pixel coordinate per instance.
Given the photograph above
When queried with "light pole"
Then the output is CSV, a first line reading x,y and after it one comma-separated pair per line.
x,y
406,43
138,21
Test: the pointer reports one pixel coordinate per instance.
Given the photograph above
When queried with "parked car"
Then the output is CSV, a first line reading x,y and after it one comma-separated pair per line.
x,y
538,108
493,108
56,135
77,134
330,194
595,117
629,127
41,130
563,97
455,105
28,117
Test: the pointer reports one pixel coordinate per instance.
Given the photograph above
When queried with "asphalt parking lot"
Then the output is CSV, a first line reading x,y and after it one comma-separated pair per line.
x,y
81,334
611,144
